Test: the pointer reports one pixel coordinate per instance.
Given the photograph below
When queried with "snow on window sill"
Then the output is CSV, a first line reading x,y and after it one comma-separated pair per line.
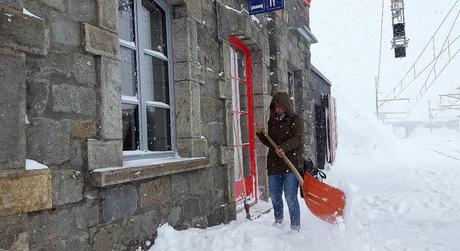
x,y
136,170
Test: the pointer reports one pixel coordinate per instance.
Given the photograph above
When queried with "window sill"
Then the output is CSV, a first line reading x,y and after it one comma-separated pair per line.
x,y
145,169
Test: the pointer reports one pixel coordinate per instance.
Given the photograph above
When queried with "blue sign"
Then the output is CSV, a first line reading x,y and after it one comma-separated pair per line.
x,y
262,6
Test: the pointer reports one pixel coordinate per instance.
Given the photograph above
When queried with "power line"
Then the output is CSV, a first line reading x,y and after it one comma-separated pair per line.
x,y
400,87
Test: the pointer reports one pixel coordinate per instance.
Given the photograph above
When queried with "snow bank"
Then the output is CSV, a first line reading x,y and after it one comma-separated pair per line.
x,y
34,165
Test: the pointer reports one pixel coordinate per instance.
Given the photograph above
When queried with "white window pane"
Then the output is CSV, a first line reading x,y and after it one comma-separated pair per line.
x,y
130,120
241,65
153,27
126,20
156,80
243,99
128,72
158,129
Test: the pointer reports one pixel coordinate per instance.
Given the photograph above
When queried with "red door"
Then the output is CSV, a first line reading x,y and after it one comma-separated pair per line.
x,y
243,122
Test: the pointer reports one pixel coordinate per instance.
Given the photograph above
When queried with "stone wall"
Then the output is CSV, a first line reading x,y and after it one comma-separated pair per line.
x,y
61,107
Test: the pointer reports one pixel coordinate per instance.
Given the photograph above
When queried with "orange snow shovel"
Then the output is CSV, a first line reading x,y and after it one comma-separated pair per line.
x,y
324,201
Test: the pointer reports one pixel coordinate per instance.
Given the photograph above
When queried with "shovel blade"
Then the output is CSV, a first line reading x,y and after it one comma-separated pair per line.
x,y
324,201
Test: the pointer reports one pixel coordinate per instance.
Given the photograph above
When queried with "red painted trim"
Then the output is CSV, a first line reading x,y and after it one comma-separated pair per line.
x,y
251,181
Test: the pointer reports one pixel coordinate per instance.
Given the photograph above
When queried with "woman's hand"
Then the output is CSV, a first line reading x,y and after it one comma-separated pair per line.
x,y
259,129
280,152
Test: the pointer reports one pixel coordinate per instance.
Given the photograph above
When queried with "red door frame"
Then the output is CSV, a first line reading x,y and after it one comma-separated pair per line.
x,y
251,181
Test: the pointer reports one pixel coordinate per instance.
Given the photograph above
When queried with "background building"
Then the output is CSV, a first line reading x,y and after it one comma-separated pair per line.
x,y
143,113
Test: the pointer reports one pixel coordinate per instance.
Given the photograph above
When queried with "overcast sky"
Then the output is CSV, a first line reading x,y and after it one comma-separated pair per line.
x,y
348,50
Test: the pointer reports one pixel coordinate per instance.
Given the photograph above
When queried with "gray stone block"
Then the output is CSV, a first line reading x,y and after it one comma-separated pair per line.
x,y
192,209
17,4
78,242
212,109
179,187
225,90
261,76
156,192
108,13
141,227
23,32
128,234
175,217
62,224
229,212
61,67
83,69
216,217
64,32
189,71
225,154
205,203
119,202
73,99
214,132
218,197
83,11
209,15
67,187
100,42
37,96
219,176
199,182
230,186
185,40
59,5
13,233
12,110
110,109
194,10
76,153
192,147
48,141
104,154
188,110
108,237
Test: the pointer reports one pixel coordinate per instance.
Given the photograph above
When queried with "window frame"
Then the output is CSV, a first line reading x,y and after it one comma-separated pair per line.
x,y
142,53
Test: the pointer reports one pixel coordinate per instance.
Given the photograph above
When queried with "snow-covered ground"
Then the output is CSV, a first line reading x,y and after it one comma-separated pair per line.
x,y
401,195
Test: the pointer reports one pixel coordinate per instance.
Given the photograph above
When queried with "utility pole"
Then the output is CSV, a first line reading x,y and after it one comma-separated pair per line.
x,y
377,97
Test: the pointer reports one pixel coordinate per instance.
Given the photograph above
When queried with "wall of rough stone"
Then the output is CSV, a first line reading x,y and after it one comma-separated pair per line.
x,y
60,105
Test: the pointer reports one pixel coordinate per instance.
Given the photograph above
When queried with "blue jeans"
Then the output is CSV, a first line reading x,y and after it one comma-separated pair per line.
x,y
287,182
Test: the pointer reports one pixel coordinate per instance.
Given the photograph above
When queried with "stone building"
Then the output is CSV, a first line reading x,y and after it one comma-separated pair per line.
x,y
142,112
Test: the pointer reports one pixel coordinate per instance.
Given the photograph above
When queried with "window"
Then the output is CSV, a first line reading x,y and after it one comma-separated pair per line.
x,y
146,85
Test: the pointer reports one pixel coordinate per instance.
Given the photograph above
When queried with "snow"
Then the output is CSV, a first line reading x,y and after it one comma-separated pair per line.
x,y
34,165
254,19
144,162
130,99
232,9
28,13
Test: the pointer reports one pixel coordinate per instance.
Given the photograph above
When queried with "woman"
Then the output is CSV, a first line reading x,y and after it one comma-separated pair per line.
x,y
286,129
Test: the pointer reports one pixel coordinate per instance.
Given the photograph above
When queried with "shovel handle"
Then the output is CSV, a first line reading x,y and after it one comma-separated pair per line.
x,y
286,160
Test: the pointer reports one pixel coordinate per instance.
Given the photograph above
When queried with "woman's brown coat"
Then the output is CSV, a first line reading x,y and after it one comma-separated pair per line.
x,y
287,134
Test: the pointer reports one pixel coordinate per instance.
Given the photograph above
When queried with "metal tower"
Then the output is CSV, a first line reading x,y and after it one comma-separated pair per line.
x,y
399,28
